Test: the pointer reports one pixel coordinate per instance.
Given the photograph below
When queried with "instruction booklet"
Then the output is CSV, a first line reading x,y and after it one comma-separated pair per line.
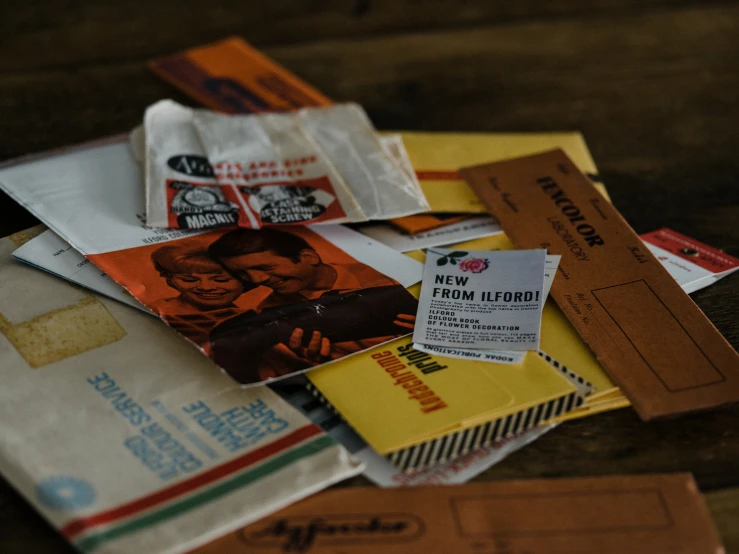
x,y
481,299
497,356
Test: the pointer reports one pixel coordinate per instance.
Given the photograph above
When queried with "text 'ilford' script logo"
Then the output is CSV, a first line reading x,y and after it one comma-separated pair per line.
x,y
300,533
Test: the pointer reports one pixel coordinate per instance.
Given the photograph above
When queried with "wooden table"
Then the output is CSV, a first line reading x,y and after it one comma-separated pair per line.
x,y
651,84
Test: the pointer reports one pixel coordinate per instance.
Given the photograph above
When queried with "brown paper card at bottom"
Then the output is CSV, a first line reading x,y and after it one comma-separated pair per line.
x,y
647,514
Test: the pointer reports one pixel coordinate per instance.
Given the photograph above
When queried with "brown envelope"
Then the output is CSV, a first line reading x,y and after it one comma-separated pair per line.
x,y
648,335
654,514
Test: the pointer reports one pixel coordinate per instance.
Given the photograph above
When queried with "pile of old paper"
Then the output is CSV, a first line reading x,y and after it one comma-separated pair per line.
x,y
213,259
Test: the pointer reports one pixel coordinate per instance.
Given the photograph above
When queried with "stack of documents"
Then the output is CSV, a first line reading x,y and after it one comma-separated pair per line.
x,y
219,253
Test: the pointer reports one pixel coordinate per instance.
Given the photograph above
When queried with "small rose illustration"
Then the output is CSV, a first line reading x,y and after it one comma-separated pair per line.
x,y
474,265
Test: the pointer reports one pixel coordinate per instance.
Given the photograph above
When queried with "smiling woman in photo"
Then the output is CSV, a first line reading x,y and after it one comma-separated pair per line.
x,y
203,284
206,291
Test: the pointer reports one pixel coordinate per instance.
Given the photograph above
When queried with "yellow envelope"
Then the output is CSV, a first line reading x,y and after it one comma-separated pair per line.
x,y
396,397
436,157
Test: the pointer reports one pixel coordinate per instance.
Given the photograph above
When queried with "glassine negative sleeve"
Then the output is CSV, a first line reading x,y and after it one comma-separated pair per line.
x,y
172,153
253,142
377,181
327,165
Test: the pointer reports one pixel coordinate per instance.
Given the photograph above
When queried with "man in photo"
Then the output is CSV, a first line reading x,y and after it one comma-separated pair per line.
x,y
295,272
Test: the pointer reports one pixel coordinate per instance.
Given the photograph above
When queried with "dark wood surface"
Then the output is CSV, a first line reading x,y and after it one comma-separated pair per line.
x,y
651,84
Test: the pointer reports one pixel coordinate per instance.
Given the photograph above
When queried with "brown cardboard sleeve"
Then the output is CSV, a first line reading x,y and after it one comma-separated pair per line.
x,y
655,514
648,335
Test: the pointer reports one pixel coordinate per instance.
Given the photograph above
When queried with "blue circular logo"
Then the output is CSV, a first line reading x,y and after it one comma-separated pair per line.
x,y
65,493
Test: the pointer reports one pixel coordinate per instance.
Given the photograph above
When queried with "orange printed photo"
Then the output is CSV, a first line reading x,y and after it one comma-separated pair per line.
x,y
267,303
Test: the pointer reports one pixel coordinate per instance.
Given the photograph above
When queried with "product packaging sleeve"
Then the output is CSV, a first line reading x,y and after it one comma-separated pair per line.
x,y
124,438
205,170
644,514
648,335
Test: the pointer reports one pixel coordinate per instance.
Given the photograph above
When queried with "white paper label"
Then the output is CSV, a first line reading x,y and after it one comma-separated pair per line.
x,y
510,357
481,299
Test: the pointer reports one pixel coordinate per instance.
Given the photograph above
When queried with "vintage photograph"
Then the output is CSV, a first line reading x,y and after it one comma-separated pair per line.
x,y
268,303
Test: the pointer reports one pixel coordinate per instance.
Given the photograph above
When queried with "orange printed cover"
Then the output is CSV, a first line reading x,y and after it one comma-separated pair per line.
x,y
242,309
234,77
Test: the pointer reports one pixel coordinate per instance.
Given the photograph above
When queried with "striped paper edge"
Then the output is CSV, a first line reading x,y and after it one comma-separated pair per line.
x,y
586,387
449,447
90,532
